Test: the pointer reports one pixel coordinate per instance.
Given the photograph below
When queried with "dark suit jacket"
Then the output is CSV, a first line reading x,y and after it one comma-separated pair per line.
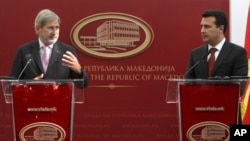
x,y
232,61
55,69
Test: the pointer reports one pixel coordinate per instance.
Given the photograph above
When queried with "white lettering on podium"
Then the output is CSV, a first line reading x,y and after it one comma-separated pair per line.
x,y
42,109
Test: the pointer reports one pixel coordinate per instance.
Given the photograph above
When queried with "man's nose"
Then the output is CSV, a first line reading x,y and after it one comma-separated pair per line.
x,y
202,29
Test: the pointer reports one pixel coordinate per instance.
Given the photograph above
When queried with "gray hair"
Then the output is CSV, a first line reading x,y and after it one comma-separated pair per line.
x,y
45,15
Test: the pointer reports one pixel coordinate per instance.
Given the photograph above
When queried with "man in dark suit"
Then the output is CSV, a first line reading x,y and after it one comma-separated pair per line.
x,y
231,59
60,61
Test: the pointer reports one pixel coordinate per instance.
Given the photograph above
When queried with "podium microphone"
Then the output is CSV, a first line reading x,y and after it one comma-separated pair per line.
x,y
200,60
26,65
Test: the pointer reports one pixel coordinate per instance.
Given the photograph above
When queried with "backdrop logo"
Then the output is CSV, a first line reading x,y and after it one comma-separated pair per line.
x,y
42,131
209,131
111,35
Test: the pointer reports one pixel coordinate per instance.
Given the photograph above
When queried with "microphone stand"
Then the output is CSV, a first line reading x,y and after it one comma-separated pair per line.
x,y
26,65
192,67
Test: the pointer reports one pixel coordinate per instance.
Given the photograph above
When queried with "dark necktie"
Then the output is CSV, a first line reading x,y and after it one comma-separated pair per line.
x,y
211,60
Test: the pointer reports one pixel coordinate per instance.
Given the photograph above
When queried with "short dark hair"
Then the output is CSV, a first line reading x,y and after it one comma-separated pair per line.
x,y
220,18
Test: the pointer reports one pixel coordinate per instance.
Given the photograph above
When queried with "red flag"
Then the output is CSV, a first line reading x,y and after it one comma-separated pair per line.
x,y
245,105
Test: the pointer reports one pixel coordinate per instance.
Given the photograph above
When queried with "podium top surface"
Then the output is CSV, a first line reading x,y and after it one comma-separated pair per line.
x,y
6,77
214,79
10,79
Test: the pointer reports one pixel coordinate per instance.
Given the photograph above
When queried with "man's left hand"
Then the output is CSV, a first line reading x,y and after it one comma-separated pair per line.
x,y
70,60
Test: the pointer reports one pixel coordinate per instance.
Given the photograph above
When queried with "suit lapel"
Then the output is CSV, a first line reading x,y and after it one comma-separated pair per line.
x,y
204,64
36,55
55,56
225,50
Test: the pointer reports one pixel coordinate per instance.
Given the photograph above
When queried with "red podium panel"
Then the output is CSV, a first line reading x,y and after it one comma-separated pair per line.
x,y
43,110
206,108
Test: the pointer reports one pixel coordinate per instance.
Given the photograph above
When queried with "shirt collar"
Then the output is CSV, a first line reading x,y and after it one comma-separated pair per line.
x,y
218,46
41,44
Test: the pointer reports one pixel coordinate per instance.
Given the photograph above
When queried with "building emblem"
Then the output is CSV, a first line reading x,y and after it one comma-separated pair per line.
x,y
208,131
111,35
42,131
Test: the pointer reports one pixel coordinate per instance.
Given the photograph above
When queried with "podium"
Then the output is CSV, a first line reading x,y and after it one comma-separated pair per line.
x,y
206,108
42,110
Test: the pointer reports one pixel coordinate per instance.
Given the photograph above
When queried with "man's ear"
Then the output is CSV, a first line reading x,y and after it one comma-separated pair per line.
x,y
37,28
221,28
